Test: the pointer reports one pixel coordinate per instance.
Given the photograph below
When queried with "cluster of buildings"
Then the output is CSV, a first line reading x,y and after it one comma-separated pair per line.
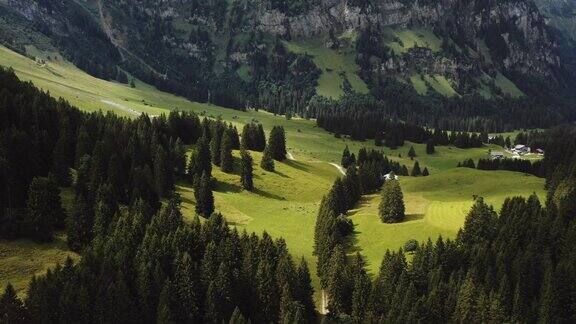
x,y
517,151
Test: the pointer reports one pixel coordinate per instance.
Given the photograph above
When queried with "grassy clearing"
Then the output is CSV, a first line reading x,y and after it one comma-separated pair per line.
x,y
441,85
507,86
332,63
285,202
22,259
435,205
402,40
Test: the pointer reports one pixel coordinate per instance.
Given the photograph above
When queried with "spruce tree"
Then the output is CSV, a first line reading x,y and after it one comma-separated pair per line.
x,y
60,168
425,172
215,145
416,172
345,162
277,143
79,225
44,211
411,153
246,172
226,158
267,162
204,196
12,310
430,149
391,207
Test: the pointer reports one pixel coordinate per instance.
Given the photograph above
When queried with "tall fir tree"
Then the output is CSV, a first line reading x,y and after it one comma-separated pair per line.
x,y
246,172
416,172
391,207
267,162
226,158
44,212
204,196
12,310
277,143
430,147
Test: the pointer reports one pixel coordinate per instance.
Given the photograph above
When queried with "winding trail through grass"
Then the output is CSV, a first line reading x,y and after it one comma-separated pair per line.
x,y
340,168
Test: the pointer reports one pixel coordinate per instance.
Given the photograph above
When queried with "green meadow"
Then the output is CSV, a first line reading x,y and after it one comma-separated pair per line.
x,y
286,201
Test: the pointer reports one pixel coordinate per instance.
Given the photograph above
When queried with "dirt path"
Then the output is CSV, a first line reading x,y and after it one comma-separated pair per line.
x,y
121,107
290,156
324,309
340,168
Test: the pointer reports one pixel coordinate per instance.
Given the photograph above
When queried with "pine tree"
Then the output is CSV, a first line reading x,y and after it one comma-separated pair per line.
x,y
226,159
246,175
165,309
204,196
277,143
303,291
79,225
425,172
345,162
237,317
60,168
215,145
411,153
267,163
44,211
12,310
392,205
416,170
430,149
200,160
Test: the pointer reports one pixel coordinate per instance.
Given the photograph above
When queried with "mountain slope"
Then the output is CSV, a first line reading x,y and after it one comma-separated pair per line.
x,y
241,54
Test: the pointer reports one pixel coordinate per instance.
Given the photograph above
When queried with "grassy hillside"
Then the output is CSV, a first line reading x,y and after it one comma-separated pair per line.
x,y
333,63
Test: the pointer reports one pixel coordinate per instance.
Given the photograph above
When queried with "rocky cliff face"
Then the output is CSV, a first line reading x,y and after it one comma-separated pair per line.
x,y
531,49
522,42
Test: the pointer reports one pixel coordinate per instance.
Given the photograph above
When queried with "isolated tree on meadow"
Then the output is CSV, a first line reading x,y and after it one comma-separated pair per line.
x,y
411,153
204,196
226,158
416,172
277,143
391,207
425,172
430,148
267,162
246,172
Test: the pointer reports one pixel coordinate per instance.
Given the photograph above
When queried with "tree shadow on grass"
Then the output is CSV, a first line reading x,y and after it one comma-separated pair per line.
x,y
221,186
269,195
412,218
297,165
